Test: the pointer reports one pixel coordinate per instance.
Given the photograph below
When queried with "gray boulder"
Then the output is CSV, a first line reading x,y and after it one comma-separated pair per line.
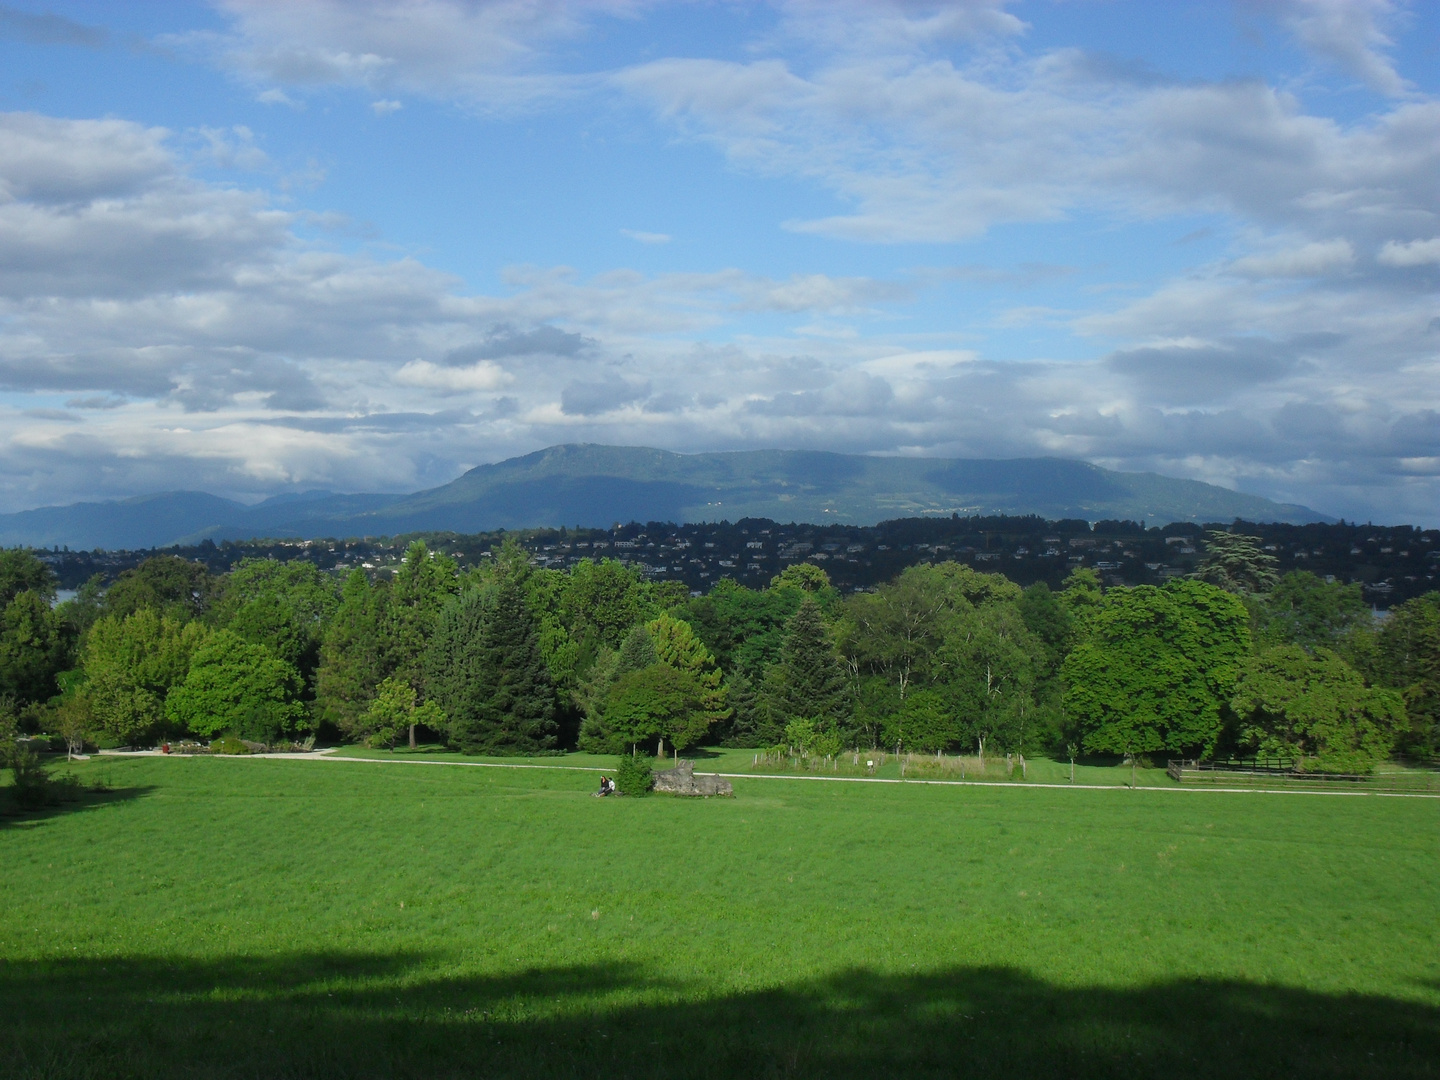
x,y
682,780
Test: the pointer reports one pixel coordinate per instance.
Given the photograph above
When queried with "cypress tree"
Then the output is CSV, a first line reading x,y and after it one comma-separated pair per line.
x,y
812,681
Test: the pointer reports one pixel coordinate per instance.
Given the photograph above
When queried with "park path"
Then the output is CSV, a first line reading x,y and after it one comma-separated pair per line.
x,y
331,755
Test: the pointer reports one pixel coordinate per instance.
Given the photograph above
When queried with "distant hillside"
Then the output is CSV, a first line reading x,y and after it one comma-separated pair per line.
x,y
590,485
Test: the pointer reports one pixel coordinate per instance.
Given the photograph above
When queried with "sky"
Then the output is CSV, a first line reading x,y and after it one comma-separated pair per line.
x,y
263,246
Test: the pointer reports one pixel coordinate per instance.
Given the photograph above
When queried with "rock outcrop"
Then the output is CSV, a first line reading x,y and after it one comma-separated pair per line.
x,y
682,780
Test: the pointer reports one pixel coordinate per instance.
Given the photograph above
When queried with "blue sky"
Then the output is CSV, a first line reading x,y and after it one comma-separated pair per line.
x,y
251,247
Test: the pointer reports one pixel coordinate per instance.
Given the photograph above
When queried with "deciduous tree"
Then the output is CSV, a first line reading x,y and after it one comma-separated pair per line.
x,y
1304,609
1154,666
133,663
397,709
284,606
169,584
1314,707
33,647
236,688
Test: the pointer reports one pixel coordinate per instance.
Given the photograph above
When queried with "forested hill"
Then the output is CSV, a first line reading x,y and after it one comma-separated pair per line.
x,y
596,486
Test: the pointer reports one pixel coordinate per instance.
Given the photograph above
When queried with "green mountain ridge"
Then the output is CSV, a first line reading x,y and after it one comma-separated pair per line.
x,y
594,485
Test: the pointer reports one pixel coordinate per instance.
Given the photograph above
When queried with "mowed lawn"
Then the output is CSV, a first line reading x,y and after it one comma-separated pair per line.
x,y
258,918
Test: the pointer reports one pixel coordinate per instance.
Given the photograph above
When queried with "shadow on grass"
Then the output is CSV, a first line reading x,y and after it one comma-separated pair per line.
x,y
399,1015
63,801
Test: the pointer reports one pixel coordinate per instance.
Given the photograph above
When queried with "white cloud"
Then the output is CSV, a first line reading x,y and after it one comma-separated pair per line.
x,y
1411,253
1348,33
487,53
929,151
1307,260
482,376
276,96
232,148
385,107
646,237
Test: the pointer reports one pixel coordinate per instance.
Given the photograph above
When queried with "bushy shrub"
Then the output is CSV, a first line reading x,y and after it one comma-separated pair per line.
x,y
32,782
228,745
633,775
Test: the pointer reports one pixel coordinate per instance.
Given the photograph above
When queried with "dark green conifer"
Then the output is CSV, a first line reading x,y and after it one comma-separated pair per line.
x,y
637,652
1237,564
811,681
487,673
352,660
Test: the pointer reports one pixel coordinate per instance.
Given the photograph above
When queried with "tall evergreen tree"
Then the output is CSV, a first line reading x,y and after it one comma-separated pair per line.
x,y
424,582
1237,564
809,681
488,674
637,652
746,718
1409,661
352,656
455,660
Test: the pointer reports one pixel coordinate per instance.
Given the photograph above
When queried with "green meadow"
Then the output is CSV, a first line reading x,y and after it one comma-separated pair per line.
x,y
259,918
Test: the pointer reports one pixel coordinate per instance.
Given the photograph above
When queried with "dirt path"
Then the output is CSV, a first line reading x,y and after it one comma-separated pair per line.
x,y
330,755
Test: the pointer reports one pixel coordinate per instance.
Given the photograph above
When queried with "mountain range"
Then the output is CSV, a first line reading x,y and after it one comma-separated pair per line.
x,y
596,486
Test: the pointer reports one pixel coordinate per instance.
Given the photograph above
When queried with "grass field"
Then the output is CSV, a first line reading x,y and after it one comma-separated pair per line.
x,y
239,918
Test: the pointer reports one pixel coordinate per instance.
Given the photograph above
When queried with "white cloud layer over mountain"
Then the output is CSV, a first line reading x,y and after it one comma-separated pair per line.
x,y
163,328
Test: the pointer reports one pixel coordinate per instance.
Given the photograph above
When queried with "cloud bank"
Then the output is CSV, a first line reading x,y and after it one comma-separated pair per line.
x,y
159,330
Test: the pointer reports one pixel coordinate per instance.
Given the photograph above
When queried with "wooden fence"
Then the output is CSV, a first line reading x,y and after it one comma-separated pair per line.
x,y
1278,775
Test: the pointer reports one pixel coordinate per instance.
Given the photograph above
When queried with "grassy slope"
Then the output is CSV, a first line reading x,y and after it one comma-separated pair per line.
x,y
244,918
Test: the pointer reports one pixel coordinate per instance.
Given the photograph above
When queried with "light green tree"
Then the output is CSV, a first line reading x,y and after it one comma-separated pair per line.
x,y
396,710
132,664
676,644
235,688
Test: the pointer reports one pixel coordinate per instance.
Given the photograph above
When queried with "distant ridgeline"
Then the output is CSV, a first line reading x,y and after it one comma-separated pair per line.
x,y
597,486
1394,563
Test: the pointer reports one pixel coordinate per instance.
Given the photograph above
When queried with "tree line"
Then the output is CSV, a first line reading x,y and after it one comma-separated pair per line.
x,y
511,658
